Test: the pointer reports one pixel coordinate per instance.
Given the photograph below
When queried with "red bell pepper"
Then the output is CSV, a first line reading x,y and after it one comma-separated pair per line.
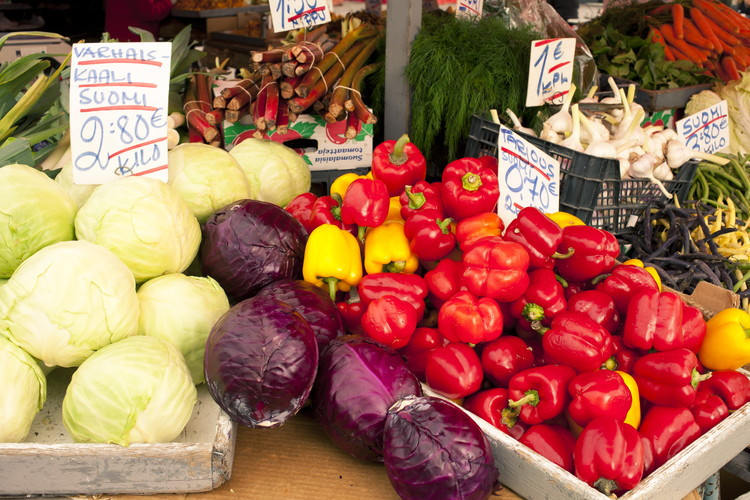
x,y
430,235
489,162
398,164
444,281
598,306
668,378
653,321
609,456
594,253
351,312
489,405
624,358
454,370
467,318
541,302
474,228
423,341
708,410
538,234
574,287
624,282
555,443
390,321
327,210
732,387
538,394
496,268
300,208
693,328
577,341
504,357
469,188
666,431
409,287
601,393
365,204
422,195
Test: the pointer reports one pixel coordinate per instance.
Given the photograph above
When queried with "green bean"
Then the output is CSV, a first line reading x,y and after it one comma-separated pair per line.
x,y
728,179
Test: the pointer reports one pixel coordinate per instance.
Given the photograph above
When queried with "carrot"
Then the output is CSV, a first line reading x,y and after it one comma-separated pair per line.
x,y
668,54
692,54
717,16
701,22
726,48
678,19
733,15
679,56
659,9
694,37
730,68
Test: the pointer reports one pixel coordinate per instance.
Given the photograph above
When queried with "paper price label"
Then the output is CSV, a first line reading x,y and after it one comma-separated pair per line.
x,y
528,177
706,130
294,14
118,110
550,70
469,8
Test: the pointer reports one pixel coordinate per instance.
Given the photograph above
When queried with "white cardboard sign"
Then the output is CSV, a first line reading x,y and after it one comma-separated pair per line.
x,y
528,177
294,14
706,130
469,8
550,70
118,110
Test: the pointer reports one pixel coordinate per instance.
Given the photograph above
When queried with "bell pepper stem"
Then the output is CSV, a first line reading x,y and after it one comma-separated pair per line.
x,y
561,280
398,156
567,255
471,181
331,282
697,378
533,312
416,200
336,211
606,486
610,364
361,230
394,267
444,225
599,279
509,416
531,398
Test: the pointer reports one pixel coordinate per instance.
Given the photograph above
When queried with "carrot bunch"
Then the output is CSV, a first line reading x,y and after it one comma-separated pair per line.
x,y
706,32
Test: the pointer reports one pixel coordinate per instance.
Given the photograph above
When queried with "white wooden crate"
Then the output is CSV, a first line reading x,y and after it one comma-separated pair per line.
x,y
50,463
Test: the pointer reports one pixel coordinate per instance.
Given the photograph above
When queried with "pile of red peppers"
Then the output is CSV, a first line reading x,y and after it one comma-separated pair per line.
x,y
536,327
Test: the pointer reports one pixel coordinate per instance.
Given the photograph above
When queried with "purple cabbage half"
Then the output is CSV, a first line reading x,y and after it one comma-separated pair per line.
x,y
358,381
434,450
260,362
314,304
249,244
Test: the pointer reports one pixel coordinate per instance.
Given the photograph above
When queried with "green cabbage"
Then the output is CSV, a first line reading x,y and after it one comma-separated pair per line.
x,y
79,192
144,222
182,310
278,171
737,95
68,300
137,390
34,212
207,178
22,393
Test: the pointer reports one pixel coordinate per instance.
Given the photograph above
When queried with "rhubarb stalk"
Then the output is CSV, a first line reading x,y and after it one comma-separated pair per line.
x,y
286,86
354,103
215,117
353,125
282,119
272,104
340,92
195,115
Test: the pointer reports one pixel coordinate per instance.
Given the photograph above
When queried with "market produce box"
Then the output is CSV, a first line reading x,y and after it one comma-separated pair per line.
x,y
50,463
321,144
658,100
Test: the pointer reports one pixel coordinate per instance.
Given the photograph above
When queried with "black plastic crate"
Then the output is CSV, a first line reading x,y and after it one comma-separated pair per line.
x,y
590,187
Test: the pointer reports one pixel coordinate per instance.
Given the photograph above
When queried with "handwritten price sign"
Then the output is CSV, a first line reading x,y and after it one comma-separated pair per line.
x,y
550,70
294,14
706,130
118,110
469,8
528,177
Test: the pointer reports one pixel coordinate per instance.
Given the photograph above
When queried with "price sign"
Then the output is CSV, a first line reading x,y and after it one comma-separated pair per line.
x,y
550,70
528,177
469,8
294,14
706,130
118,110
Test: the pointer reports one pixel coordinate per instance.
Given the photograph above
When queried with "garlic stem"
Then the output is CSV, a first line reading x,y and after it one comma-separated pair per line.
x,y
574,140
631,93
517,125
495,118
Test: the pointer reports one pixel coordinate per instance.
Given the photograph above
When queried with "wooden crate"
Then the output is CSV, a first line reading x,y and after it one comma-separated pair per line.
x,y
50,463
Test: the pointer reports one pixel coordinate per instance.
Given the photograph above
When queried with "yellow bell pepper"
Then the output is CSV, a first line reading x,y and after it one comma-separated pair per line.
x,y
649,269
387,250
341,183
634,413
727,342
332,259
564,219
394,211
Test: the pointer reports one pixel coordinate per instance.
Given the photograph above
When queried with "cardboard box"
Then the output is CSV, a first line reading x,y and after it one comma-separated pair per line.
x,y
222,23
321,144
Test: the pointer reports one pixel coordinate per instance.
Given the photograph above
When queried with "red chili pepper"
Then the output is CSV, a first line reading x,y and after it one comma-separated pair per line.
x,y
538,394
668,378
423,341
430,236
577,341
474,228
541,302
504,357
409,287
398,164
708,410
624,358
601,393
467,318
598,306
365,204
594,253
300,208
624,282
454,370
693,328
390,321
666,431
732,387
538,234
422,195
609,456
496,268
488,405
351,313
653,321
555,443
444,281
469,188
